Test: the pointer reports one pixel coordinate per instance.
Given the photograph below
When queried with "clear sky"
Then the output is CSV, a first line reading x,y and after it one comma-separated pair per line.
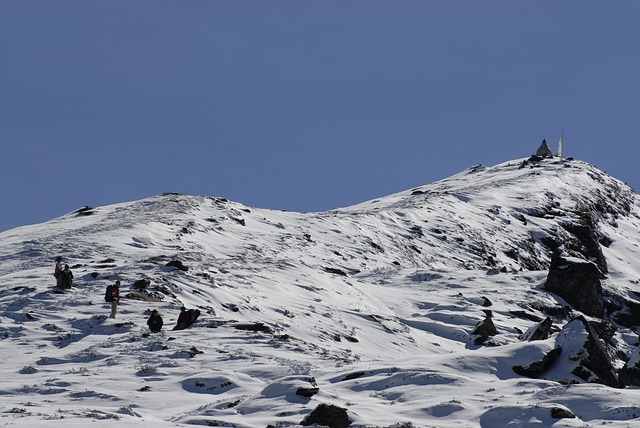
x,y
302,105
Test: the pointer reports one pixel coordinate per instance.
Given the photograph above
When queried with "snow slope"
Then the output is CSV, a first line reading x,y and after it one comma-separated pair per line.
x,y
374,305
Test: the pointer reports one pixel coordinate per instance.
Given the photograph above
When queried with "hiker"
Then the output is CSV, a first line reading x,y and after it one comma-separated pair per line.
x,y
66,277
57,272
183,319
155,322
114,296
186,318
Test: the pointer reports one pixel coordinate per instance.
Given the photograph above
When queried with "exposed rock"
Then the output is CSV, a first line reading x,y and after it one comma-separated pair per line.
x,y
144,296
484,329
525,315
587,241
231,306
84,211
539,331
354,375
328,415
578,282
307,392
476,168
537,368
258,326
628,314
630,373
559,311
238,220
193,351
178,265
587,354
562,413
579,354
531,162
605,330
335,271
141,284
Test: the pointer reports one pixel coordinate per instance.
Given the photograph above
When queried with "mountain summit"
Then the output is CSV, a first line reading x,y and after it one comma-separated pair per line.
x,y
500,296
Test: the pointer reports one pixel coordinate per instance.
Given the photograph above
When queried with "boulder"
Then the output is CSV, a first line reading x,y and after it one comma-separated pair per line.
x,y
562,413
178,265
539,331
630,373
84,211
577,281
327,415
484,329
307,392
627,312
537,368
586,355
586,240
144,296
142,284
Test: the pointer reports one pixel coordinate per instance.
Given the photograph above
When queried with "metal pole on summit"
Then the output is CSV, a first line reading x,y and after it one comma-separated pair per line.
x,y
560,144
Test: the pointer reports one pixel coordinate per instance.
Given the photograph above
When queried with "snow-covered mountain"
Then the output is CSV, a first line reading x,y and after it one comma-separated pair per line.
x,y
501,296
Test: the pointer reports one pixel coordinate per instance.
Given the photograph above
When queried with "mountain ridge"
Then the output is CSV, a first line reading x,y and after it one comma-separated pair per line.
x,y
360,289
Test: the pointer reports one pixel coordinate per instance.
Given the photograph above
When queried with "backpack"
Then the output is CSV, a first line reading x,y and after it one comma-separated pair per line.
x,y
108,297
67,279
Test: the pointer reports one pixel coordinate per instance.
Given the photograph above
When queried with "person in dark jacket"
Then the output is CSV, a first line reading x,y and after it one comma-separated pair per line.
x,y
66,277
115,296
155,322
186,318
183,319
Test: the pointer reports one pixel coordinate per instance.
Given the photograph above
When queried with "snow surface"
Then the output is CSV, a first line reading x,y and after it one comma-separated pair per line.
x,y
372,304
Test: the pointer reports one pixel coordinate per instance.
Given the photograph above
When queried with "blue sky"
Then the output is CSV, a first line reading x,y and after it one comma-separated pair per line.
x,y
301,105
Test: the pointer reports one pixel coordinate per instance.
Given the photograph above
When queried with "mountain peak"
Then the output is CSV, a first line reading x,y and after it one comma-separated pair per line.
x,y
433,292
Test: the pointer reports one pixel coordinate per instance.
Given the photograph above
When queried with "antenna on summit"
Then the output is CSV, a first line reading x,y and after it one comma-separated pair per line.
x,y
560,144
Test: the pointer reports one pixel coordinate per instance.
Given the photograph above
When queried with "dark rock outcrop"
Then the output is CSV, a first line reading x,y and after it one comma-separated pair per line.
x,y
256,327
539,331
335,271
590,360
537,368
578,282
627,313
178,265
579,355
587,240
84,211
141,284
525,315
328,415
562,413
144,296
307,392
630,373
484,329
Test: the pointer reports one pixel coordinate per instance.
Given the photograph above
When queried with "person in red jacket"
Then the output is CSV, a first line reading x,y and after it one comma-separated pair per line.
x,y
115,294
